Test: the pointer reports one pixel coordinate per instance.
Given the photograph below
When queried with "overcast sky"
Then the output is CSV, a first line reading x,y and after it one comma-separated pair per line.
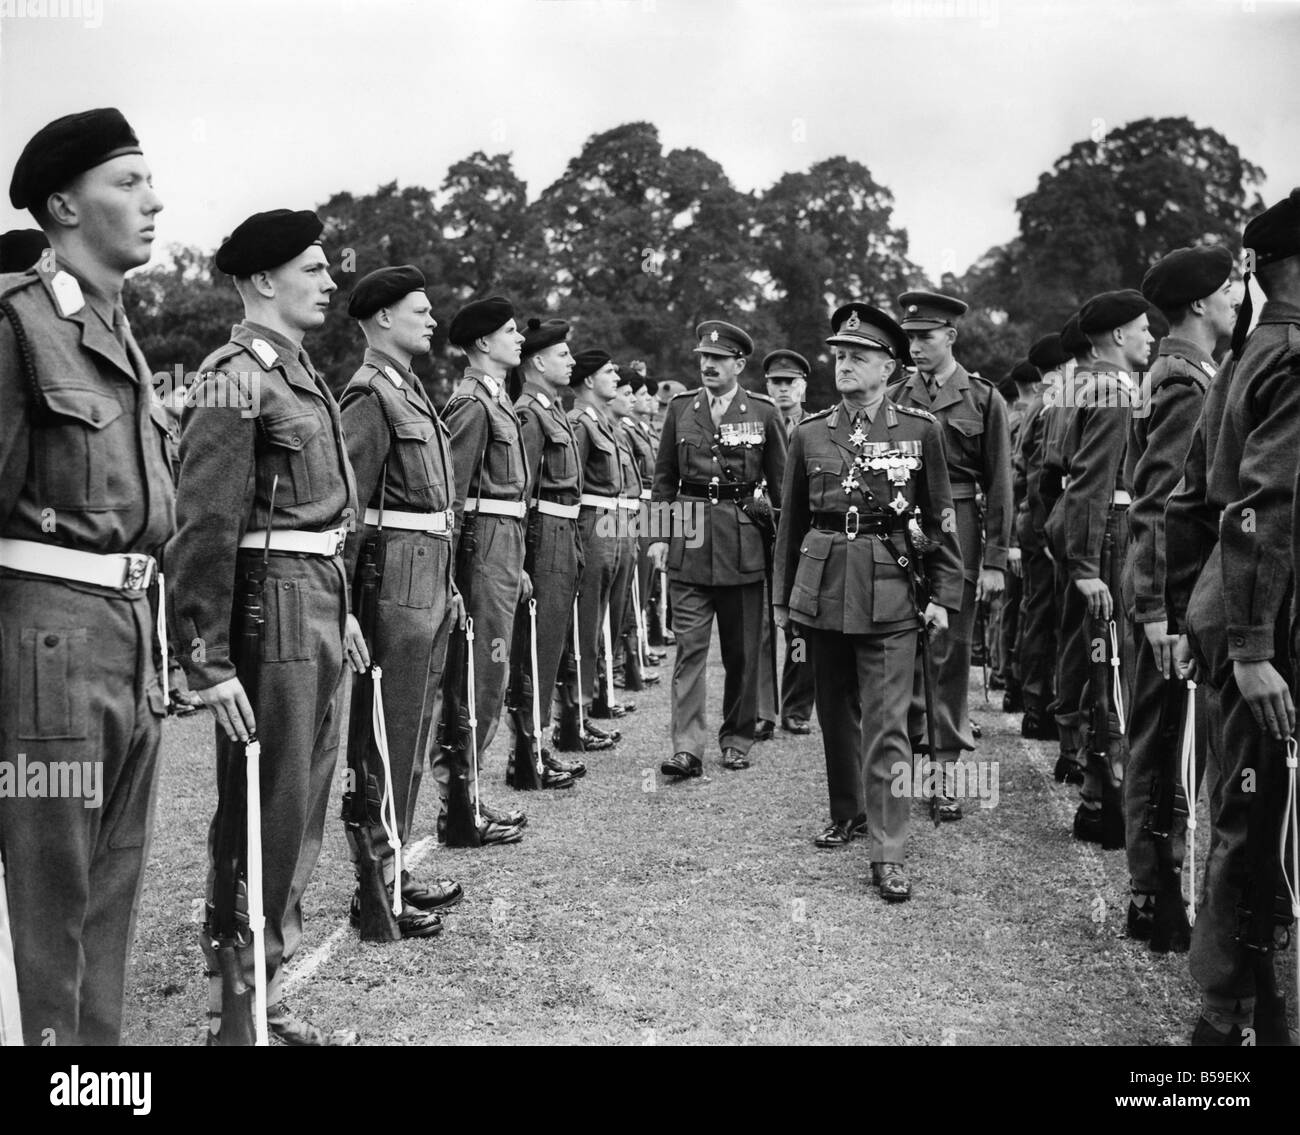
x,y
956,105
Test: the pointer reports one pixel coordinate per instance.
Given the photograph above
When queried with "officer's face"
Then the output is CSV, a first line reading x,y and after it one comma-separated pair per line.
x,y
115,206
412,323
931,349
719,373
781,391
1221,309
604,383
302,288
503,345
1136,342
861,372
556,364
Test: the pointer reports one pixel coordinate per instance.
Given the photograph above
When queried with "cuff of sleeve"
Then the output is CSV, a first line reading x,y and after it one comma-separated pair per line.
x,y
1148,609
995,558
1250,644
214,669
1084,569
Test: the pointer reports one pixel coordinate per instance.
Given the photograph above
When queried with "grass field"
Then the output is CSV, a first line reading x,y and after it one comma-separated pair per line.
x,y
640,912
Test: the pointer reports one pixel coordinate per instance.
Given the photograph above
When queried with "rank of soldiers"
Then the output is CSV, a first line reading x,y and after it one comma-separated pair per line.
x,y
375,549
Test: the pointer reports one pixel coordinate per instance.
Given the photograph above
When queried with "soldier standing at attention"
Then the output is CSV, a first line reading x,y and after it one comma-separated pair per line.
x,y
641,444
234,455
85,507
857,475
722,449
786,375
976,438
1193,288
402,463
491,478
554,550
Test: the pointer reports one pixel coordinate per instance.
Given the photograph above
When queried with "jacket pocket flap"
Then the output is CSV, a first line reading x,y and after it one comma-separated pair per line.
x,y
93,407
292,432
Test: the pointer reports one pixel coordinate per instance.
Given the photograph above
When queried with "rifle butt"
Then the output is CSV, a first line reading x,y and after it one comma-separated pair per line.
x,y
236,1029
461,830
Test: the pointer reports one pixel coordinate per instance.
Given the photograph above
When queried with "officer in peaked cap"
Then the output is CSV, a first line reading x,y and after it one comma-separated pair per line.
x,y
264,472
859,475
721,459
977,440
83,438
1193,287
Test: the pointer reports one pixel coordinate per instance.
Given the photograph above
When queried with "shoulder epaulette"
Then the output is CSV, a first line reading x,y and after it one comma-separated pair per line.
x,y
916,412
686,394
813,417
761,397
222,354
11,283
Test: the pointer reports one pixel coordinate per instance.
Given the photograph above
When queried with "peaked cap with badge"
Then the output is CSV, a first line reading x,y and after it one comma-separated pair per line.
x,y
723,339
924,311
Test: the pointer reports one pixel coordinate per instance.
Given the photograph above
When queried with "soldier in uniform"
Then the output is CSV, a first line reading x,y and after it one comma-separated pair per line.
x,y
607,473
976,439
786,375
721,456
270,471
1193,288
1088,531
85,507
857,474
554,549
1238,624
629,674
491,478
402,464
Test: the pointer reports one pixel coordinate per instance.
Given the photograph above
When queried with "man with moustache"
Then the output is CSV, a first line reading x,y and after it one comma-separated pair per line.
x,y
554,551
722,457
1193,288
86,505
277,478
491,478
401,460
977,441
856,477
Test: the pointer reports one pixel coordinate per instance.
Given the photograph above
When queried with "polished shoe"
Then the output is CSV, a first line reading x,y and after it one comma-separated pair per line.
x,y
291,1030
411,923
734,759
650,677
653,657
949,809
1036,727
1099,825
430,896
764,731
554,779
795,725
645,678
891,881
1140,919
613,736
840,833
1067,770
975,730
488,832
599,742
682,765
997,682
513,818
575,769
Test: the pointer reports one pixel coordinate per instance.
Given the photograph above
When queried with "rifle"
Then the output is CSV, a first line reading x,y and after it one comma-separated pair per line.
x,y
235,916
363,802
1105,662
458,729
1171,929
918,544
11,1020
572,730
524,768
638,617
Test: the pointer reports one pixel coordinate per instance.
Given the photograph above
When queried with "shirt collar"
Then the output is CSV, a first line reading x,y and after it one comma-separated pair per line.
x,y
940,377
724,400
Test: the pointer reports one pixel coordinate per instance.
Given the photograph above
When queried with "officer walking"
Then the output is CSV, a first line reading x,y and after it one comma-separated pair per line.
x,y
858,475
85,507
400,457
722,449
263,466
976,439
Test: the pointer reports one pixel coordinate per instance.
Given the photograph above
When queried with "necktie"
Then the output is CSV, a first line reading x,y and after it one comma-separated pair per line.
x,y
716,410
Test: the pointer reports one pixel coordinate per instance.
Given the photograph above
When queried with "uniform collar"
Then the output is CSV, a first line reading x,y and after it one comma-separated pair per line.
x,y
94,315
1185,348
541,394
724,399
494,386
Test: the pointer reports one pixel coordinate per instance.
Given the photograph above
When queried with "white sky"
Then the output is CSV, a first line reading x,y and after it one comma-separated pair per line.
x,y
956,105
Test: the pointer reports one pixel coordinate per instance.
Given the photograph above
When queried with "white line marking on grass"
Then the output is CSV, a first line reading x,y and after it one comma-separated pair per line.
x,y
304,968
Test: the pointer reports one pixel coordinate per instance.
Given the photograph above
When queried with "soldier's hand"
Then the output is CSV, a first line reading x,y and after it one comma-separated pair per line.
x,y
525,587
658,553
1162,645
991,582
1268,696
780,615
1184,660
1014,565
229,705
457,608
1098,596
354,646
936,618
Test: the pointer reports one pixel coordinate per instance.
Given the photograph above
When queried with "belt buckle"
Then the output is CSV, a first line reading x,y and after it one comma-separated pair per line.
x,y
449,518
340,538
712,493
851,532
138,571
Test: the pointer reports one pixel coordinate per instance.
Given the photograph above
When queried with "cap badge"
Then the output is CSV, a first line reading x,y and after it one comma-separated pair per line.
x,y
713,336
911,309
852,323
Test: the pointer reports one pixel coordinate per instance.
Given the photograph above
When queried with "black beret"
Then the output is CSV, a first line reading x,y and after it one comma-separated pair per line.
x,y
1186,274
382,288
924,311
540,334
1109,310
66,147
1048,353
479,318
267,240
651,386
785,364
1073,341
21,248
588,363
1275,233
1024,373
628,377
861,325
1157,324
